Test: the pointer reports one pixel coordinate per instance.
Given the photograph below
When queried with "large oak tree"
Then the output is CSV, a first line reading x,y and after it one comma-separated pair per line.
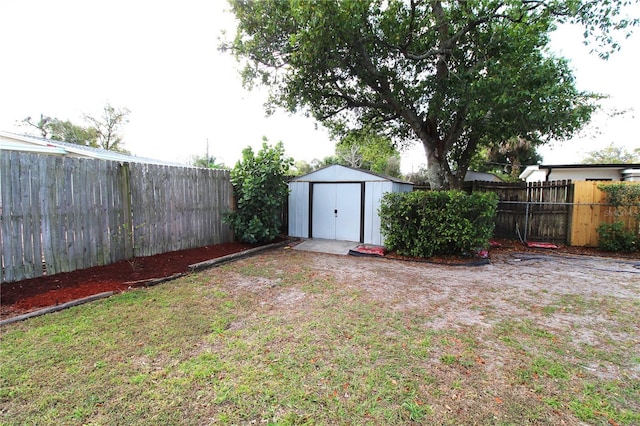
x,y
453,75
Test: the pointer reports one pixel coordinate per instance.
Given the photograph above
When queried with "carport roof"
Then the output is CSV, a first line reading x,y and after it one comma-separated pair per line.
x,y
28,143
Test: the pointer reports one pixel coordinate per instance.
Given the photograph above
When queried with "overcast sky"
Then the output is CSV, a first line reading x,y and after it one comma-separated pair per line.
x,y
159,59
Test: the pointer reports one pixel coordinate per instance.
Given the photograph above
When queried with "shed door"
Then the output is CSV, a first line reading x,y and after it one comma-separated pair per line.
x,y
336,211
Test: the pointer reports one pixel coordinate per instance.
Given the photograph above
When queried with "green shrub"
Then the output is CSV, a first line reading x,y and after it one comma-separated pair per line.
x,y
260,187
615,237
622,194
423,224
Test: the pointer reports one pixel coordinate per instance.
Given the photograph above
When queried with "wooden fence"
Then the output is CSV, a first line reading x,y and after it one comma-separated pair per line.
x,y
537,211
61,214
590,209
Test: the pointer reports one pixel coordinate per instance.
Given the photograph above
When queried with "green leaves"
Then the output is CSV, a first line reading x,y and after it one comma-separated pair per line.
x,y
260,187
622,194
617,238
612,154
620,236
365,149
455,76
427,223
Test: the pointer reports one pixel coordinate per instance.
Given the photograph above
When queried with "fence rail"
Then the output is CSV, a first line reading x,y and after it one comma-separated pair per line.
x,y
561,212
60,214
538,211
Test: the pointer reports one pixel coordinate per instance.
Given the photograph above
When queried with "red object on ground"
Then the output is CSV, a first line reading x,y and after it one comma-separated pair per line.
x,y
371,250
494,244
541,245
20,297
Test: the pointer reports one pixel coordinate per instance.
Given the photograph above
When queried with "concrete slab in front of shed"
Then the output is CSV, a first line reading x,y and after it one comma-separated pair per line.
x,y
326,246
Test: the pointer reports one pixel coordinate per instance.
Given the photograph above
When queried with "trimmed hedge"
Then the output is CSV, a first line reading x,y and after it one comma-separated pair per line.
x,y
428,223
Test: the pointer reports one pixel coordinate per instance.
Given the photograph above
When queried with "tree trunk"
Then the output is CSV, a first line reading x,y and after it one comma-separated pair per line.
x,y
436,170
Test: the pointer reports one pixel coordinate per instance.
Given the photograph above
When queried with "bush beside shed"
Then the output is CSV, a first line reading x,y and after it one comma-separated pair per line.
x,y
340,203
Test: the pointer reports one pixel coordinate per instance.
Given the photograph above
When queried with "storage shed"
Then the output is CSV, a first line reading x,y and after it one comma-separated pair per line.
x,y
340,203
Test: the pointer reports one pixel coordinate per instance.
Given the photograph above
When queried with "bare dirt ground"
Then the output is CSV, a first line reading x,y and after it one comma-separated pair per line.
x,y
561,293
28,295
543,337
512,286
545,328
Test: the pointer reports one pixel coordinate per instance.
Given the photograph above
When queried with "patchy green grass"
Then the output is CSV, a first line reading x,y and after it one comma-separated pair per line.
x,y
275,340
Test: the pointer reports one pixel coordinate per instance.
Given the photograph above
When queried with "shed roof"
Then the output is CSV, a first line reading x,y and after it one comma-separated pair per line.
x,y
338,173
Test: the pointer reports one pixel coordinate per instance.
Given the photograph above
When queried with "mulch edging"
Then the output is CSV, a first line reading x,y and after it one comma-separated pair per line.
x,y
235,256
57,307
471,261
149,283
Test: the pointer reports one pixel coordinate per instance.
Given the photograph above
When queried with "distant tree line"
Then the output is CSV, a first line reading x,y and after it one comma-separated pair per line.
x,y
103,131
360,149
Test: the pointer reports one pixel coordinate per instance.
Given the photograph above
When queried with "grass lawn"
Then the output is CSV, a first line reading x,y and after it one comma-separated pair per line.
x,y
300,338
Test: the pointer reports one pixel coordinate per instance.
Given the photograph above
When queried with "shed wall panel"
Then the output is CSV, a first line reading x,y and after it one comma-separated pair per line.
x,y
375,188
299,209
401,187
374,191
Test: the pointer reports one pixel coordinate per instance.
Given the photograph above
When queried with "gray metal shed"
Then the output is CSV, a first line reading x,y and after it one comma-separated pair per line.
x,y
340,203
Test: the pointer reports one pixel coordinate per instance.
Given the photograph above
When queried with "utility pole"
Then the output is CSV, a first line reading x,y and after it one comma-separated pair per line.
x,y
208,164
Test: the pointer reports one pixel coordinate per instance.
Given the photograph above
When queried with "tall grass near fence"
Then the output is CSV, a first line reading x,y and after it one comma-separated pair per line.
x,y
60,214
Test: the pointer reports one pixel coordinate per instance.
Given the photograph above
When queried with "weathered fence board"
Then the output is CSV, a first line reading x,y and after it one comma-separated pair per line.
x,y
550,205
537,211
60,214
31,229
9,228
47,182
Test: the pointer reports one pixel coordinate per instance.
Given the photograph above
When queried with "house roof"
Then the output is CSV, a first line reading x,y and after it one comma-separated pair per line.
x,y
620,166
624,168
483,176
27,143
353,173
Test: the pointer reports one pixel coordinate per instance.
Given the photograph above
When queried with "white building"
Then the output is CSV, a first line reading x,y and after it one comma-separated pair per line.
x,y
26,143
582,172
340,203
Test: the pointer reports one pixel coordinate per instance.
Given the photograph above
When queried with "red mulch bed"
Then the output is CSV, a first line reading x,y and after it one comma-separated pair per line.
x,y
24,296
21,297
516,246
513,246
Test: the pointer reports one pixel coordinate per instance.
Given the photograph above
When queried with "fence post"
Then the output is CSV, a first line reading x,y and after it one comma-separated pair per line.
x,y
125,187
570,195
526,219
